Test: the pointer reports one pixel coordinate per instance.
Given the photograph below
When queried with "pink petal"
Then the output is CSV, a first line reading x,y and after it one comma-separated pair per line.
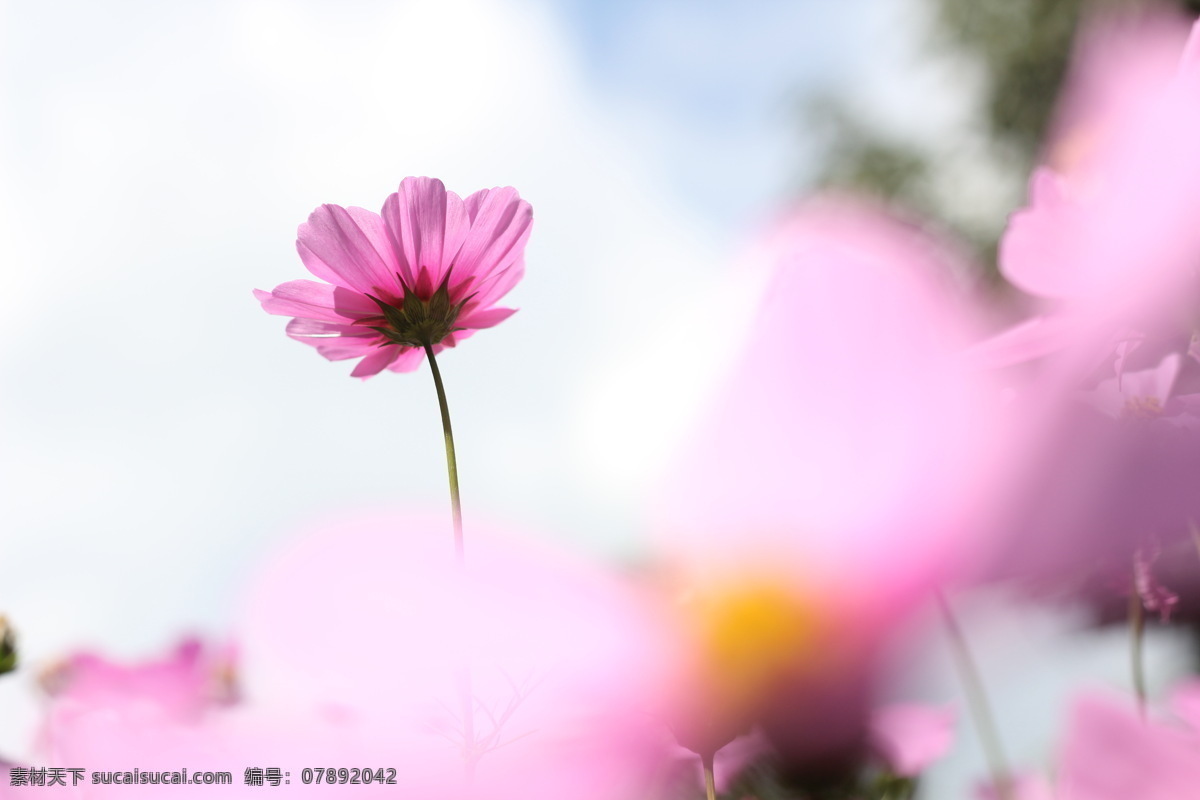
x,y
1021,787
498,283
500,225
408,360
315,328
376,232
1185,702
334,341
850,436
376,362
180,686
1026,341
911,737
426,226
1034,253
485,318
314,300
1112,754
1114,231
341,246
1189,63
549,638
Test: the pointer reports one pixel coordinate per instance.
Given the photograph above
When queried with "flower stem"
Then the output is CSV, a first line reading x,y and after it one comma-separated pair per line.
x,y
1137,631
981,712
451,461
710,784
466,693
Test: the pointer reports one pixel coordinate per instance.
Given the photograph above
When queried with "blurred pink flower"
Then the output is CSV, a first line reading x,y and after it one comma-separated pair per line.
x,y
352,646
1020,787
1109,235
1110,473
428,271
1110,243
1111,753
910,737
193,678
831,487
367,624
157,715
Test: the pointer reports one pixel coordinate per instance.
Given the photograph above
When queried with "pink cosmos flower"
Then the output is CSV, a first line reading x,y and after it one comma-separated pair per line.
x,y
830,488
428,272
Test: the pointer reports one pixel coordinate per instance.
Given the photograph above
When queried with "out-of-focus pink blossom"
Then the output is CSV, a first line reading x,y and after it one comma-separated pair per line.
x,y
1110,472
1185,703
370,625
1111,753
1110,242
831,486
193,678
353,651
909,737
1020,787
159,715
428,271
1109,234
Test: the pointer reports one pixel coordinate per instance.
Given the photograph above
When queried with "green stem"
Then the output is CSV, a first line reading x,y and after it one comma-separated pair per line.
x,y
1137,631
451,461
981,712
466,694
710,784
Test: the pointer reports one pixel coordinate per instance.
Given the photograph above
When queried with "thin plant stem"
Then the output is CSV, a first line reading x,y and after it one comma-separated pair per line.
x,y
710,784
1137,635
465,691
451,461
981,712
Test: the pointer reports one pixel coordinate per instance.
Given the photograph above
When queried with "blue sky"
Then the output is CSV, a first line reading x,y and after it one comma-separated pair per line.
x,y
714,88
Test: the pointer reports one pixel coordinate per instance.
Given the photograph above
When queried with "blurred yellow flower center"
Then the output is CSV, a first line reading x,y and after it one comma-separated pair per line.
x,y
749,635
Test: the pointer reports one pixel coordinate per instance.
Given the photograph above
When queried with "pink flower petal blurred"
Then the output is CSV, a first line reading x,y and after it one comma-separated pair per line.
x,y
1185,703
354,642
1110,753
911,737
1021,787
367,623
192,679
833,484
1110,227
852,437
1110,237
